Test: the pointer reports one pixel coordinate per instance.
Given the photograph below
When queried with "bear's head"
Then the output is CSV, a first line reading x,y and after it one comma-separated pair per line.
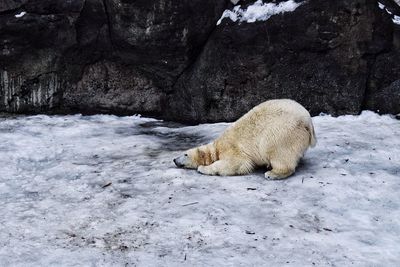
x,y
193,158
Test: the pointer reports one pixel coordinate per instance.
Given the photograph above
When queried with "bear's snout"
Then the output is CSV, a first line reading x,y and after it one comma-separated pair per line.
x,y
178,163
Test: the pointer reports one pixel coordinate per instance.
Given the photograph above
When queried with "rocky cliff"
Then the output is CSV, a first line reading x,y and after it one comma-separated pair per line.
x,y
170,59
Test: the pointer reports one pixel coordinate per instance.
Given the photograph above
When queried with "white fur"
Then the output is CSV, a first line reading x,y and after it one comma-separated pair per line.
x,y
273,134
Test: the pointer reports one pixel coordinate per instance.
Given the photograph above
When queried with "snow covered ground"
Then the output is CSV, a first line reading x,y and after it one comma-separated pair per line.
x,y
103,191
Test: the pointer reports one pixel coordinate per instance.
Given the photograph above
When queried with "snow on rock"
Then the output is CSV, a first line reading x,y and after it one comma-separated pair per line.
x,y
20,15
258,11
103,191
396,20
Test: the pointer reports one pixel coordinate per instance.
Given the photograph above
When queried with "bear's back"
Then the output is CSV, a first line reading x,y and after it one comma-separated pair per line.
x,y
270,121
275,127
273,112
281,107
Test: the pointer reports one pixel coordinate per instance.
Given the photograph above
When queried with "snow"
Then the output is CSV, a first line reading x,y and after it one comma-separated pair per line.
x,y
396,20
20,15
258,11
341,207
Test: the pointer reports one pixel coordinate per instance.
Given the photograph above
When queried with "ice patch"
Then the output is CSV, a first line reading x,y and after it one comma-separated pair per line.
x,y
20,15
381,6
258,11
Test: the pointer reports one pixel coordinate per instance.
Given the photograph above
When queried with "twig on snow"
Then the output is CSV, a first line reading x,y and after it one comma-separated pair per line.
x,y
107,185
188,204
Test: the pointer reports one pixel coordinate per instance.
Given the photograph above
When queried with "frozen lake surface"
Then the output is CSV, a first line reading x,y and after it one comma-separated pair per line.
x,y
103,191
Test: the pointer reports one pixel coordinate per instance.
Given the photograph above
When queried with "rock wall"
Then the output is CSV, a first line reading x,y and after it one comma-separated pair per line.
x,y
169,59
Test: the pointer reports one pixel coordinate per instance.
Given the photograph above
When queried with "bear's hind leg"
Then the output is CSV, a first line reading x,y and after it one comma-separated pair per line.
x,y
280,170
277,175
227,167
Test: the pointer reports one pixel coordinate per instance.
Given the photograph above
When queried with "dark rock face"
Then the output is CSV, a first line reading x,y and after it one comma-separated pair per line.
x,y
317,55
6,5
387,99
383,88
107,86
114,56
161,37
31,49
169,59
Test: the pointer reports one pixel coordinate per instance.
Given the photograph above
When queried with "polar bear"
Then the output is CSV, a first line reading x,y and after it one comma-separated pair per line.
x,y
274,134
